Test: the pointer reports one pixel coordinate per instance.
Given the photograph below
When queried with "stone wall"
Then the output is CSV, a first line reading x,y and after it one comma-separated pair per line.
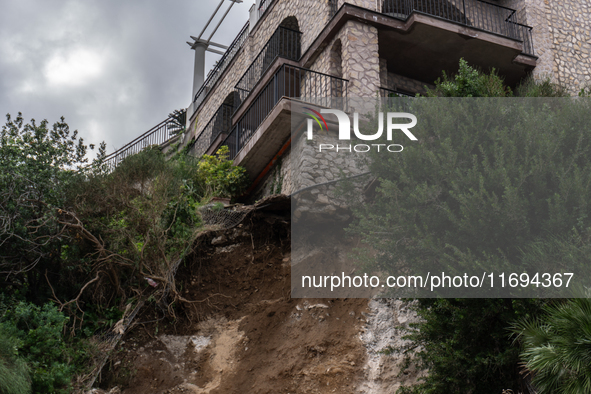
x,y
361,62
309,167
224,87
570,27
312,16
561,35
562,39
277,181
369,4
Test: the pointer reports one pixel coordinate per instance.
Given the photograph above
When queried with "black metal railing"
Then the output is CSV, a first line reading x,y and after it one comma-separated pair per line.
x,y
524,33
385,92
219,124
333,7
263,7
221,65
157,135
288,81
475,13
285,43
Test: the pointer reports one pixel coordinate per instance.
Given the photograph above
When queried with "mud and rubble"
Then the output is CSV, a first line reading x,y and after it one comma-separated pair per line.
x,y
243,333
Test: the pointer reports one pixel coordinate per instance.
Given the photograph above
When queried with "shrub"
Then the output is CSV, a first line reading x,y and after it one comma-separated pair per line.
x,y
40,342
14,373
221,177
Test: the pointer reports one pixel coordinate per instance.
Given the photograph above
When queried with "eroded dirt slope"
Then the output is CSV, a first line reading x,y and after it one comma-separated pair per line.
x,y
242,333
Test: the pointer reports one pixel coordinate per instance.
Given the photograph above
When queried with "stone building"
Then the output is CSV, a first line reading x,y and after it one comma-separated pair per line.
x,y
364,48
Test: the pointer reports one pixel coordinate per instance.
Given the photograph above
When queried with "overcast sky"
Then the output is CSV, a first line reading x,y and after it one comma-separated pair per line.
x,y
113,69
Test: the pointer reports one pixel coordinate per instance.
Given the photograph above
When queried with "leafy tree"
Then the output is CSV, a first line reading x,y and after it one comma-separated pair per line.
x,y
37,166
141,220
557,347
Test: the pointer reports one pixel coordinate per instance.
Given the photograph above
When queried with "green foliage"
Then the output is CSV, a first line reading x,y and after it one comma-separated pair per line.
x,y
464,344
470,82
557,347
484,194
221,177
36,164
14,373
146,216
88,236
40,342
540,88
510,191
178,120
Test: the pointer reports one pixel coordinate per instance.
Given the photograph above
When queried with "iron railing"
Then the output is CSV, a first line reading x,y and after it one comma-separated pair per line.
x,y
220,123
288,81
333,7
284,43
157,135
215,73
385,92
263,7
475,13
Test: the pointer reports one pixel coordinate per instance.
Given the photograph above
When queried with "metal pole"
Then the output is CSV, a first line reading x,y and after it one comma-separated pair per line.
x,y
221,20
465,18
209,21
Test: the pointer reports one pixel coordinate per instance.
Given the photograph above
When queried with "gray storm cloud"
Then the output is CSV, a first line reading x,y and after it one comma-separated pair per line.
x,y
113,69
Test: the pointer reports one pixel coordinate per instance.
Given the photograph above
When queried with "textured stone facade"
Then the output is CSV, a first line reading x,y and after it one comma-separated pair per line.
x,y
562,39
561,36
312,16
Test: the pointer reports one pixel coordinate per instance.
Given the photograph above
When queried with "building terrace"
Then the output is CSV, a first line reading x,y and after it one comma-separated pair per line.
x,y
359,48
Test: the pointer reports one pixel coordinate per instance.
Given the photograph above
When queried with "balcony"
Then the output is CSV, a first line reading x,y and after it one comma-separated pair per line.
x,y
478,14
216,130
265,125
284,43
214,74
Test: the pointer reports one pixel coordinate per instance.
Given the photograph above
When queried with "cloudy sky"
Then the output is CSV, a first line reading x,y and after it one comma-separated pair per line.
x,y
112,68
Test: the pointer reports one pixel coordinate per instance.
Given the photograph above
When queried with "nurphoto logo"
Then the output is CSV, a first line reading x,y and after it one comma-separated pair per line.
x,y
344,123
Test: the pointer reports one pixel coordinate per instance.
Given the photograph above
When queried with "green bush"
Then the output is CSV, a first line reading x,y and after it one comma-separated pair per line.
x,y
40,342
470,82
221,177
14,373
485,194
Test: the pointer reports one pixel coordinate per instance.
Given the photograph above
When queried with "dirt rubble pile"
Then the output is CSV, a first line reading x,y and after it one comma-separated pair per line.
x,y
242,333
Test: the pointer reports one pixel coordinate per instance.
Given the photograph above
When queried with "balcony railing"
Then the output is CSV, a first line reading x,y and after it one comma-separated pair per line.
x,y
220,123
288,81
157,135
475,13
221,65
263,7
385,92
333,7
284,43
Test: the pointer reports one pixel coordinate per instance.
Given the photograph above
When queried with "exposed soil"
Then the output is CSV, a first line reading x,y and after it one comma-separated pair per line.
x,y
243,333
